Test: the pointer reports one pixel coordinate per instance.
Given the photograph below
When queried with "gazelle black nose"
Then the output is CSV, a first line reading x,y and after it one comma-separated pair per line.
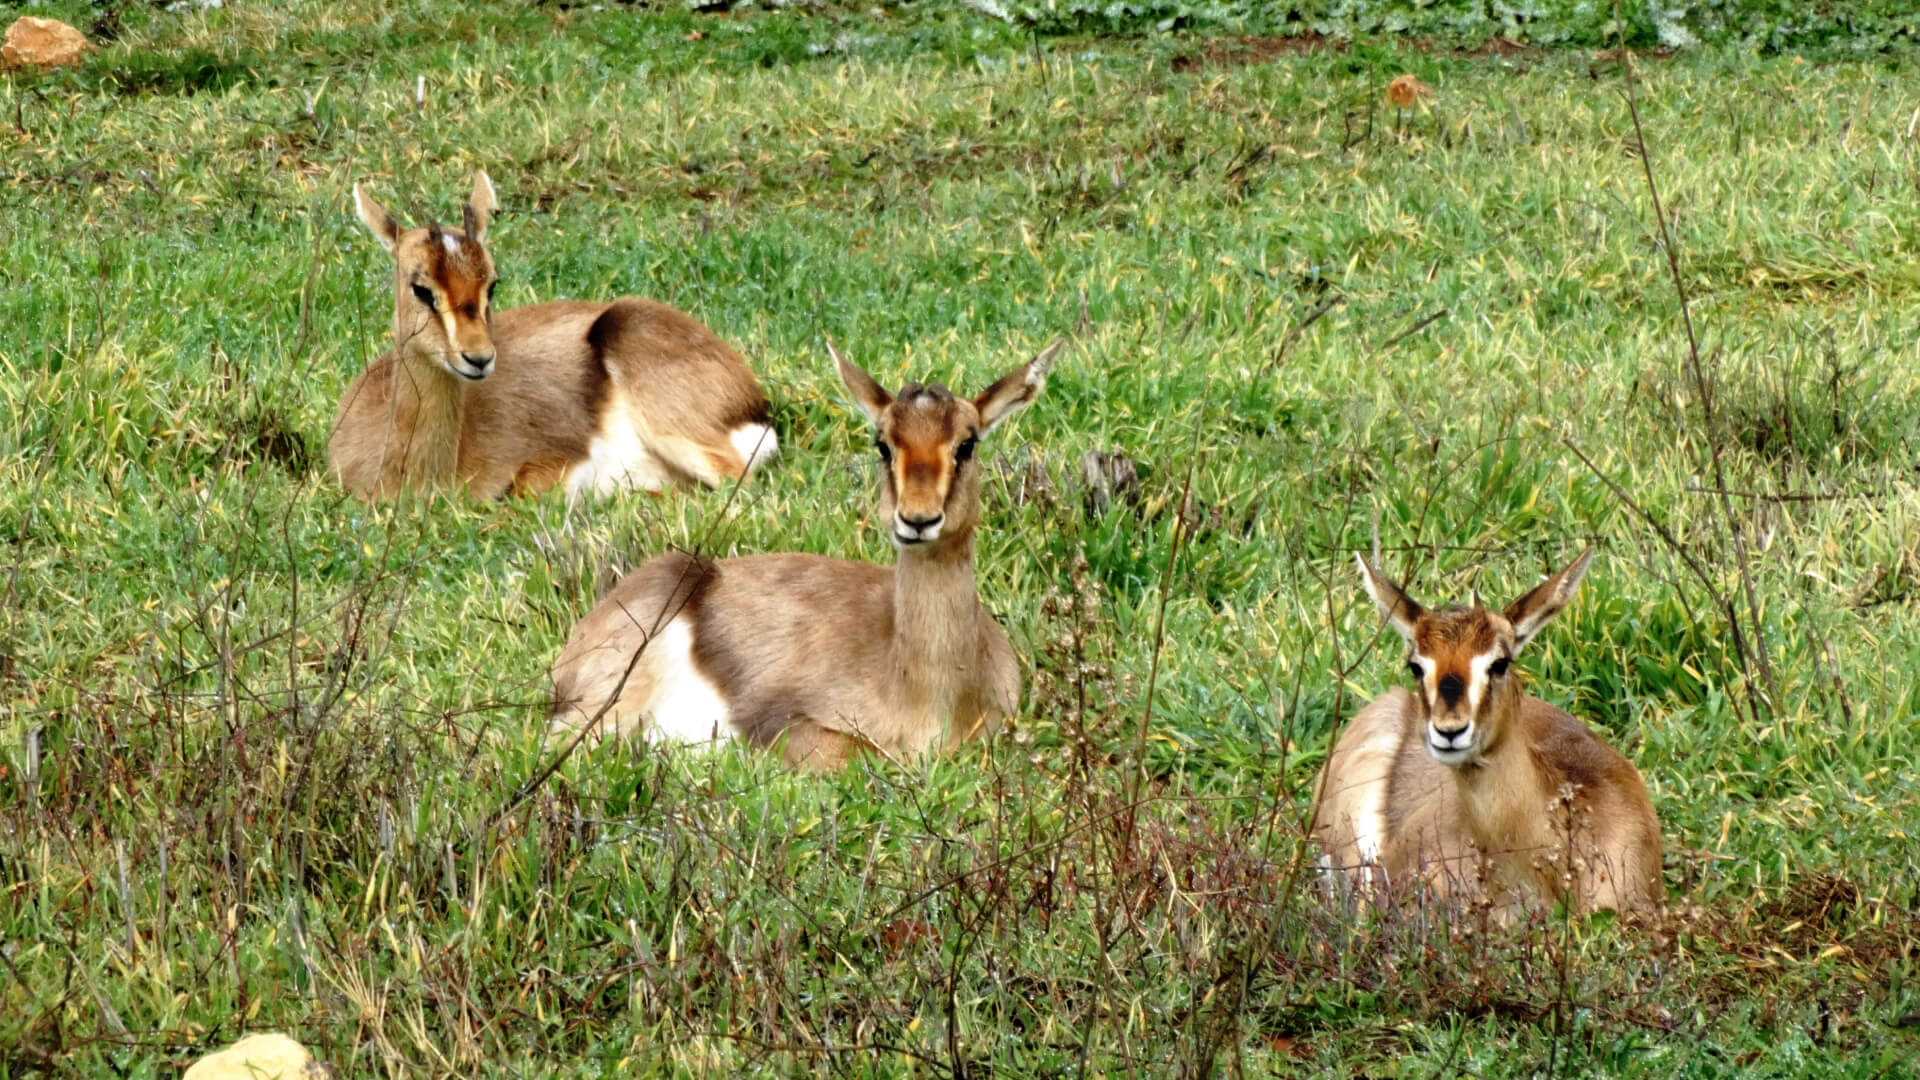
x,y
927,522
1452,689
478,360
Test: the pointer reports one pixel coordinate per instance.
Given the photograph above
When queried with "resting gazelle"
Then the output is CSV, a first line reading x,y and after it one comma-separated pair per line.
x,y
595,396
831,656
1468,784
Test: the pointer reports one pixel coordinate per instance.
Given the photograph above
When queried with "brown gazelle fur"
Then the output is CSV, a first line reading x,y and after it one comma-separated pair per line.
x,y
824,656
1476,789
596,396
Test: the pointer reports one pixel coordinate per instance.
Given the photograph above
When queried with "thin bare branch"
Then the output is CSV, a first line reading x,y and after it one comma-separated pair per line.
x,y
1702,388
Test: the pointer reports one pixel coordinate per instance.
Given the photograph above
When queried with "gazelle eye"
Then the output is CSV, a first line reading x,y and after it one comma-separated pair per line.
x,y
1499,667
1418,671
964,452
492,285
886,452
423,294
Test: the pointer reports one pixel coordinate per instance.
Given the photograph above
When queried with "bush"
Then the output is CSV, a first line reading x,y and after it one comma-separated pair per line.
x,y
1859,26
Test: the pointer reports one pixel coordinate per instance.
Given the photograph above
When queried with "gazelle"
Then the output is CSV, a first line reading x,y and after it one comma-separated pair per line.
x,y
595,396
1469,782
832,656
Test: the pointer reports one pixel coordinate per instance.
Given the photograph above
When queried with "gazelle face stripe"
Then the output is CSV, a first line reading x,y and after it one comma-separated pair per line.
x,y
1429,676
1462,656
445,276
1457,731
452,329
1477,679
926,438
922,437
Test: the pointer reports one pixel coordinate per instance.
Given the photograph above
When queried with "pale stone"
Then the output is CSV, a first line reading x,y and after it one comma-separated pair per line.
x,y
32,42
267,1056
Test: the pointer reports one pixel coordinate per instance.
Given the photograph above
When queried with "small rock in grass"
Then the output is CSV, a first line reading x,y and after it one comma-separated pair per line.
x,y
45,43
267,1056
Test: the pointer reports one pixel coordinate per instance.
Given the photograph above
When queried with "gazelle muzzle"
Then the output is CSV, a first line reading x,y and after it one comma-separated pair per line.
x,y
1452,745
474,365
909,530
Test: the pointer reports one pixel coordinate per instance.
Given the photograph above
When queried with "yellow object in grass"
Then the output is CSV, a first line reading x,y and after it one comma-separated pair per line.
x,y
267,1056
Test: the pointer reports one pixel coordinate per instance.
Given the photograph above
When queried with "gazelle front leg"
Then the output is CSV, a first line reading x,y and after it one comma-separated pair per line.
x,y
822,750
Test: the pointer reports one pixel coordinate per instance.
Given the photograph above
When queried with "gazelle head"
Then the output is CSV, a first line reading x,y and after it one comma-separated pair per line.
x,y
1462,658
930,484
443,283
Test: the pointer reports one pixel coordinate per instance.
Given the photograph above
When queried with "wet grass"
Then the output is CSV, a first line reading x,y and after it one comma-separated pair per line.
x,y
260,742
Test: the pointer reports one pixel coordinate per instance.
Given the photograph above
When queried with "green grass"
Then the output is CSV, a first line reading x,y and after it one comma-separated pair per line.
x,y
292,718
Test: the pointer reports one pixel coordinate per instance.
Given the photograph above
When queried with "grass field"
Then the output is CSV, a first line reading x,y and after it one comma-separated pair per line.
x,y
264,748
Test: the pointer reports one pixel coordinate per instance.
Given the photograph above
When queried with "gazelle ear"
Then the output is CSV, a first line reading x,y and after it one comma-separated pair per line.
x,y
872,398
375,217
1016,389
480,207
1534,610
1400,609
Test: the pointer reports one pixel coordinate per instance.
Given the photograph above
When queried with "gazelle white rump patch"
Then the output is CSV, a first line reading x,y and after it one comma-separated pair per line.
x,y
617,458
755,443
685,706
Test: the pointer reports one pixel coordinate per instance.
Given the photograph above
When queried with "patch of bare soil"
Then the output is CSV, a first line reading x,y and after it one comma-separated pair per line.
x,y
1499,46
1229,53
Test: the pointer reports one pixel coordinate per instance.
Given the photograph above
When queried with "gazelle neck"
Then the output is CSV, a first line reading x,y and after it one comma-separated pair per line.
x,y
935,624
1503,791
429,408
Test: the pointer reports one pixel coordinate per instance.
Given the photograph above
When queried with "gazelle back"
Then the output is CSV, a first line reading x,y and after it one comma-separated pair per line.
x,y
1475,788
829,655
595,396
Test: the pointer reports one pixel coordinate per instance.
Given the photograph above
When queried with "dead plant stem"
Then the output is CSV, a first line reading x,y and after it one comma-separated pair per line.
x,y
1702,386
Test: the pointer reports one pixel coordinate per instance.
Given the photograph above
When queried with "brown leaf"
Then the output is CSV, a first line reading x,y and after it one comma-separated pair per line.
x,y
904,932
1404,90
1287,1044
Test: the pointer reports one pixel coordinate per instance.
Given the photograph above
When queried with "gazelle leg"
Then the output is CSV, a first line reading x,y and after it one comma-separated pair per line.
x,y
817,749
